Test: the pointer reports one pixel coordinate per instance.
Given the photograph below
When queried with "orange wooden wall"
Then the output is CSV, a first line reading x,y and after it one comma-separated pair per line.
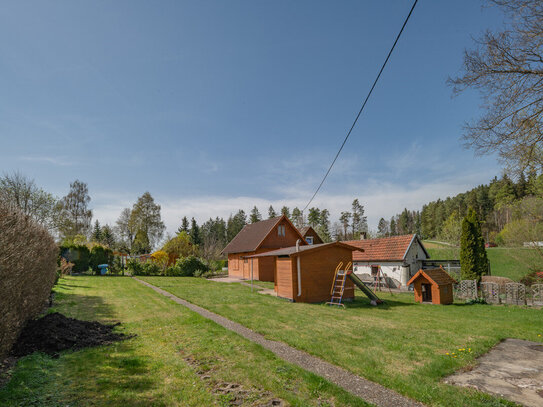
x,y
317,275
263,267
440,294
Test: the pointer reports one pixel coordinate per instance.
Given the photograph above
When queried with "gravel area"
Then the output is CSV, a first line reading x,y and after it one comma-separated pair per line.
x,y
363,388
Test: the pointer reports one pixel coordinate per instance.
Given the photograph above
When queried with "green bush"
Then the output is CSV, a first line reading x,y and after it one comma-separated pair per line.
x,y
217,265
100,255
135,267
79,255
144,269
116,266
190,265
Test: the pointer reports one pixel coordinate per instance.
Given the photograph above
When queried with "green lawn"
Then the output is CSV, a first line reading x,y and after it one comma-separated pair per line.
x,y
512,262
151,369
401,345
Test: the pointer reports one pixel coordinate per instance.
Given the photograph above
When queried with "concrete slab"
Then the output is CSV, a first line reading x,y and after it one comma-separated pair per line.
x,y
512,369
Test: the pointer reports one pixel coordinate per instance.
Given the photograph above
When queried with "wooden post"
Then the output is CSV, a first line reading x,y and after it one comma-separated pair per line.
x,y
251,275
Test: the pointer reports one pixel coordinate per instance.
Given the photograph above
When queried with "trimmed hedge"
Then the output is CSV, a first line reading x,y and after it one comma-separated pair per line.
x,y
28,265
100,255
79,255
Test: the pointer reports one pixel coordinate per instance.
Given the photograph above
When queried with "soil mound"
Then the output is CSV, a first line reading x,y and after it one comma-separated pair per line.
x,y
55,332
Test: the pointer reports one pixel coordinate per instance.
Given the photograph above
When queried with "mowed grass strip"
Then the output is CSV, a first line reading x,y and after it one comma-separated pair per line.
x,y
152,368
402,345
510,262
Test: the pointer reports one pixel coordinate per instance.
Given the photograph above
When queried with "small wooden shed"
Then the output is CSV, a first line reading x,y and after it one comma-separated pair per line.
x,y
306,273
433,286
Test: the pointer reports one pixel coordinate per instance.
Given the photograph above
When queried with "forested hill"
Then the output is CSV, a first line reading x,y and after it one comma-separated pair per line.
x,y
500,205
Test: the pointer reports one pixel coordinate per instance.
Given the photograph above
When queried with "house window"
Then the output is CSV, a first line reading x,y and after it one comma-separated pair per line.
x,y
309,239
281,230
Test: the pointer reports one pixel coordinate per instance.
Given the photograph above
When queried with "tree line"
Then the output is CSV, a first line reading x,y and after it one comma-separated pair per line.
x,y
139,229
501,205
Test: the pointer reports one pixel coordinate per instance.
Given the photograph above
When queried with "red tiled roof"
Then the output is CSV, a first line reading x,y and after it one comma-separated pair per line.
x,y
391,248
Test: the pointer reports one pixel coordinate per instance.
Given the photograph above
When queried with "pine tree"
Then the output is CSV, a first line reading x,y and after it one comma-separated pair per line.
x,y
314,217
345,219
255,215
285,211
393,231
473,257
96,235
382,228
107,238
194,233
297,218
235,224
184,225
271,212
324,226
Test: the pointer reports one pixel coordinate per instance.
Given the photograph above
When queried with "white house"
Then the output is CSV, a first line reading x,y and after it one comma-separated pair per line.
x,y
399,257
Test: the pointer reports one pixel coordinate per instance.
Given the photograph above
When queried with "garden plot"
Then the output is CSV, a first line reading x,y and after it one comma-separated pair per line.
x,y
513,370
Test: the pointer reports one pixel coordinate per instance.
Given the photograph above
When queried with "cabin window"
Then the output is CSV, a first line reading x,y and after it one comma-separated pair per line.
x,y
281,230
309,239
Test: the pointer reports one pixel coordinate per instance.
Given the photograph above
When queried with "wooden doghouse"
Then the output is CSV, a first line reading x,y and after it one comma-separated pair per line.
x,y
434,285
306,273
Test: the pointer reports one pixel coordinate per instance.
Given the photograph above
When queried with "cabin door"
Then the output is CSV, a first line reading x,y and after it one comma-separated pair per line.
x,y
246,269
426,292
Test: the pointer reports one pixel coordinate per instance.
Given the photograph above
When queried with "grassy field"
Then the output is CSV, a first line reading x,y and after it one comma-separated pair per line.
x,y
511,262
152,368
401,345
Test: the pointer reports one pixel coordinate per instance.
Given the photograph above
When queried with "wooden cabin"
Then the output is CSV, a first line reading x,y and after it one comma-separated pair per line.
x,y
257,238
317,265
433,286
310,236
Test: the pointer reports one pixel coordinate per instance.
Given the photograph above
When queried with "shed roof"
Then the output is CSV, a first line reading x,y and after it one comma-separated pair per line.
x,y
393,248
252,235
438,276
291,251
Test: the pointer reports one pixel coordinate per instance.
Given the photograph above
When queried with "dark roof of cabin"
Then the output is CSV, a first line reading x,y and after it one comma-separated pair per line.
x,y
290,251
250,237
437,276
304,230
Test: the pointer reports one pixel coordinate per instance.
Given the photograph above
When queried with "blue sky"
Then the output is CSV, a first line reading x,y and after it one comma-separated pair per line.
x,y
217,105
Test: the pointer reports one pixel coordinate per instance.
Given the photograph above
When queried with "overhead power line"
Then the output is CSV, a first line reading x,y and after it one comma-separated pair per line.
x,y
363,104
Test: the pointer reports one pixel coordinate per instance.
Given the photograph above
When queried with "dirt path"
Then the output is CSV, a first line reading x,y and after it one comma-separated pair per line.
x,y
365,389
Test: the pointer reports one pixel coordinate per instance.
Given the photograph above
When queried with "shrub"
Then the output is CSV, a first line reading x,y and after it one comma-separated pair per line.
x,y
100,255
135,267
190,265
150,268
116,266
28,268
77,254
161,258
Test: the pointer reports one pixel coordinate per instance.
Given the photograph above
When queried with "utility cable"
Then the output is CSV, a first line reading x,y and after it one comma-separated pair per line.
x,y
363,105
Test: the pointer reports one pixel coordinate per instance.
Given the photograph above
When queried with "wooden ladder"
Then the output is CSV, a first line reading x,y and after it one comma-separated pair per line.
x,y
338,285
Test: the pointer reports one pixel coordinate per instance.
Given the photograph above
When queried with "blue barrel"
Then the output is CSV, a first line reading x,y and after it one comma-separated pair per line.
x,y
103,268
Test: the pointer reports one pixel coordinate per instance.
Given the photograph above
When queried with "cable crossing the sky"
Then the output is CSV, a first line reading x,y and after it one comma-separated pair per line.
x,y
363,105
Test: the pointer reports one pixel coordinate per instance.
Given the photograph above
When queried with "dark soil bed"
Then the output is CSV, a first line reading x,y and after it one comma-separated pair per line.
x,y
55,332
